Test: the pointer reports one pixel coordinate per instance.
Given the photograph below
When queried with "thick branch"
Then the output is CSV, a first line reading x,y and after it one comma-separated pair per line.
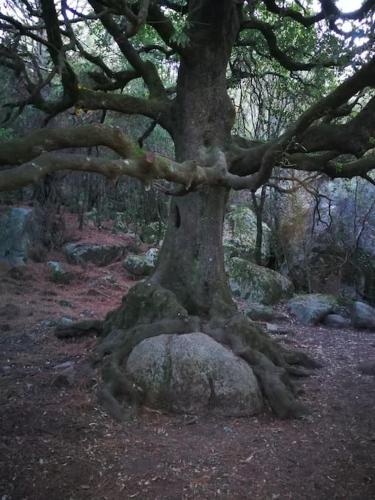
x,y
156,109
35,163
326,164
329,9
146,69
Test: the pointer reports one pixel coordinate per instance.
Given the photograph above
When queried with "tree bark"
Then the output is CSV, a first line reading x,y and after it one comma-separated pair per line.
x,y
191,261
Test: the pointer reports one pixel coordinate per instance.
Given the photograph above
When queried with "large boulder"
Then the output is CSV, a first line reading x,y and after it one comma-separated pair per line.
x,y
192,373
141,265
255,283
101,255
20,231
240,232
363,316
311,309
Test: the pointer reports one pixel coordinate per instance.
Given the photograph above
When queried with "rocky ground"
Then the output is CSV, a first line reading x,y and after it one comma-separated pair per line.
x,y
56,441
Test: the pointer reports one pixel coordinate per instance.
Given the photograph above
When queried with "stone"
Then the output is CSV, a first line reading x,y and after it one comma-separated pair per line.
x,y
63,322
363,316
18,233
193,374
260,312
57,272
311,309
240,232
141,265
336,321
101,255
255,283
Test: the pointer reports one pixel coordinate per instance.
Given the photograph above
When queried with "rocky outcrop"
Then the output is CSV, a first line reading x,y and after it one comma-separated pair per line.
x,y
240,231
255,283
311,309
193,374
58,274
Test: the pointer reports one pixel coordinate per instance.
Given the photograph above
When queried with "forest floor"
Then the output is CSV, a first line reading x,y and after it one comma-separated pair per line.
x,y
57,442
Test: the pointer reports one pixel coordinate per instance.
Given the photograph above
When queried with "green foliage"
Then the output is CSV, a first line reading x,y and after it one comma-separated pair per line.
x,y
6,134
339,167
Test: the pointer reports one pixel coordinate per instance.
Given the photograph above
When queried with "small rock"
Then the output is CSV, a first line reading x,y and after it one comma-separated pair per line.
x,y
65,303
336,321
58,273
141,265
64,322
276,329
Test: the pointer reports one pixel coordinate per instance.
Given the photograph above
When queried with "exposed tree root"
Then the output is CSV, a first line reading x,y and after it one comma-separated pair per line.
x,y
80,329
150,310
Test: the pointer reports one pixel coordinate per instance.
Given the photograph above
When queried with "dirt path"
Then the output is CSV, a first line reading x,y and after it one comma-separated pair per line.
x,y
56,442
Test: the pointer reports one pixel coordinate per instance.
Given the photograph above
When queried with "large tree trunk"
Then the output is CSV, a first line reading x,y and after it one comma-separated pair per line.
x,y
189,291
191,262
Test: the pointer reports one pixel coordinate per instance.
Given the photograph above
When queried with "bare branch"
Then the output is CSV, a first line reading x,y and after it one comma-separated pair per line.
x,y
146,69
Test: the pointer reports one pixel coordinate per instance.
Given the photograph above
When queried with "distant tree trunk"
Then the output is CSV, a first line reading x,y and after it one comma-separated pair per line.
x,y
258,207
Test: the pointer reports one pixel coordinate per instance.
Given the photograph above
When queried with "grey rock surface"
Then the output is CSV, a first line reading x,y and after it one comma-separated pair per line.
x,y
311,309
17,234
192,373
259,284
363,316
336,321
101,255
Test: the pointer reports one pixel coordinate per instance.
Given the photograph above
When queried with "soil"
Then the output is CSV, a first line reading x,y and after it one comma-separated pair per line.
x,y
56,441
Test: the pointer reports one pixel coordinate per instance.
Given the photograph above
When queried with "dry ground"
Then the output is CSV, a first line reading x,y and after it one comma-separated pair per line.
x,y
56,442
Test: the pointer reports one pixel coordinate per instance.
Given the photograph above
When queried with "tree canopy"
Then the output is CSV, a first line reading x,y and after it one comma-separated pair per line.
x,y
125,57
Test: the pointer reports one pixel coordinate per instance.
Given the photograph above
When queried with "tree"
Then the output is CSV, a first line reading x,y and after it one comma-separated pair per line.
x,y
198,41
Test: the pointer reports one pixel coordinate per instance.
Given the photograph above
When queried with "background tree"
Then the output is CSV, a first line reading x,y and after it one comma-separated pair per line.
x,y
199,42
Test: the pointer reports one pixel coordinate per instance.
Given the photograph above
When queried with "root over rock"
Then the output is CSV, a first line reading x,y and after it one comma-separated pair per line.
x,y
153,352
